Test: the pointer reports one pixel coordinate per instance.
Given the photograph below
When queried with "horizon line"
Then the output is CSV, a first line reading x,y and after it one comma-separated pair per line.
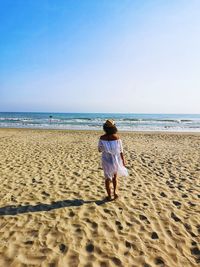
x,y
55,112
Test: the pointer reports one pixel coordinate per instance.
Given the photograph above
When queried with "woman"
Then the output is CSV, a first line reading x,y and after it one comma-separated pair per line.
x,y
113,162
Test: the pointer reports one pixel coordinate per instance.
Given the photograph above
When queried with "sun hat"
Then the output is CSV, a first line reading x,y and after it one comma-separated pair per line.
x,y
110,123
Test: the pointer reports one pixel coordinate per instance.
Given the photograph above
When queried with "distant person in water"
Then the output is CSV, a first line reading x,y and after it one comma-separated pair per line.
x,y
113,162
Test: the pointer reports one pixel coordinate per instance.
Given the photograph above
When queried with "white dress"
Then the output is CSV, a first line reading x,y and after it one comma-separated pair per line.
x,y
111,158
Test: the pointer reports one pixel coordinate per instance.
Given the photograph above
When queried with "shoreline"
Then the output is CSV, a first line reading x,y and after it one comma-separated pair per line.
x,y
101,131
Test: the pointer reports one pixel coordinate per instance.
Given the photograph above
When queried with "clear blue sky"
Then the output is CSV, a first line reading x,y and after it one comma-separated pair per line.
x,y
100,56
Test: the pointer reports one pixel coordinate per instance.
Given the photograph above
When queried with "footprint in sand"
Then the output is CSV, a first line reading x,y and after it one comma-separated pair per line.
x,y
117,261
198,228
12,198
159,261
128,244
45,193
195,251
194,243
177,203
119,225
107,211
143,218
154,235
176,219
191,204
89,247
189,229
180,187
76,174
163,194
29,242
71,214
63,248
104,264
94,225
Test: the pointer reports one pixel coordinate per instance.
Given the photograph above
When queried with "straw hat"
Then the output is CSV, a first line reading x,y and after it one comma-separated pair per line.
x,y
110,123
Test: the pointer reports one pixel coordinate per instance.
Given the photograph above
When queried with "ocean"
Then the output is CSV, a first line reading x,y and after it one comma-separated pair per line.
x,y
94,121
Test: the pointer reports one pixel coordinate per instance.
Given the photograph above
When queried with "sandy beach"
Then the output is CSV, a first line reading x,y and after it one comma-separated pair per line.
x,y
53,212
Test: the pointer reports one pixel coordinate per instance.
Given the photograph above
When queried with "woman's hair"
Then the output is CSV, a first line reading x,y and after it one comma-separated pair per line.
x,y
110,130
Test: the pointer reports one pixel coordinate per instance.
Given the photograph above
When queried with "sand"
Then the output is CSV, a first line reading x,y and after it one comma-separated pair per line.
x,y
53,212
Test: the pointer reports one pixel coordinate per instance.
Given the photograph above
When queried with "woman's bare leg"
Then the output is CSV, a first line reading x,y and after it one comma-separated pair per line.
x,y
114,180
107,184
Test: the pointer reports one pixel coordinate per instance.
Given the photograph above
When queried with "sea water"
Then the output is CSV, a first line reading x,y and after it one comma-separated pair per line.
x,y
94,121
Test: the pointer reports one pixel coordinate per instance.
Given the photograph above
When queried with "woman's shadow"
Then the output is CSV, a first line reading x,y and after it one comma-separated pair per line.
x,y
15,210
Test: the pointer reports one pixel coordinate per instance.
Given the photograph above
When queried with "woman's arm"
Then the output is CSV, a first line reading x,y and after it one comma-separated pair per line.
x,y
121,152
122,157
100,146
